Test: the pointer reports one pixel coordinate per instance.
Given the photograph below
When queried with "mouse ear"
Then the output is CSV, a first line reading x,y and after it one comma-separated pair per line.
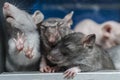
x,y
38,17
68,18
106,30
89,40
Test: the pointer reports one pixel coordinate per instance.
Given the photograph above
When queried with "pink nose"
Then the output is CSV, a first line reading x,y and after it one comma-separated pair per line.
x,y
49,57
6,5
51,40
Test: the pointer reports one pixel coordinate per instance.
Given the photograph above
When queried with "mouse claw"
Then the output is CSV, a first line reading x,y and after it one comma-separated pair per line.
x,y
19,42
29,52
46,69
54,69
71,73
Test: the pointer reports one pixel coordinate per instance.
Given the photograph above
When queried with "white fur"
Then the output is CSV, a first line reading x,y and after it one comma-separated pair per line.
x,y
25,23
87,27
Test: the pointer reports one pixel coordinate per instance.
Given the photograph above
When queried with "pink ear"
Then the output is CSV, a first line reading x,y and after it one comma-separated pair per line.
x,y
68,18
38,17
107,28
89,40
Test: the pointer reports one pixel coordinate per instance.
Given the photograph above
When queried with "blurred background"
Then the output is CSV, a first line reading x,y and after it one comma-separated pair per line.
x,y
97,10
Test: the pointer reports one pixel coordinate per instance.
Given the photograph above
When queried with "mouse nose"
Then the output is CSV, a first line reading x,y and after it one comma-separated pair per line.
x,y
51,40
49,57
6,5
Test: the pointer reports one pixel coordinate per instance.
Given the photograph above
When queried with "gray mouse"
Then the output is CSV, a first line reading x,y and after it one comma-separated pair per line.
x,y
79,53
23,38
115,56
51,31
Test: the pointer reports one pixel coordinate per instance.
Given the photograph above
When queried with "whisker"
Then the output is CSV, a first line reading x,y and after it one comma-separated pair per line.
x,y
21,3
12,1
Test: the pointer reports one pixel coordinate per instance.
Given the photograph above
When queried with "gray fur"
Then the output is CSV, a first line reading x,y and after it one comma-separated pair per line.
x,y
115,56
55,29
76,49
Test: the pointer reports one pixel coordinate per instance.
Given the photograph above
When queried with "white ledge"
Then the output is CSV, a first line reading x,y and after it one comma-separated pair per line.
x,y
110,75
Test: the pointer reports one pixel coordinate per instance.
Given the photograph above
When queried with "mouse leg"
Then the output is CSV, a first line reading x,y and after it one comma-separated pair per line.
x,y
19,42
70,73
43,65
29,52
48,69
54,69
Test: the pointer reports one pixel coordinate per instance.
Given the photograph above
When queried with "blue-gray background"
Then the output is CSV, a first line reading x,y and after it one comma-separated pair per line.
x,y
98,10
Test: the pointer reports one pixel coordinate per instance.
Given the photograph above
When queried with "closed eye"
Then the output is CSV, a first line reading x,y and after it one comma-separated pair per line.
x,y
59,24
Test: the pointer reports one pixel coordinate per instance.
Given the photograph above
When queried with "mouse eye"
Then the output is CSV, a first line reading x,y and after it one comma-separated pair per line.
x,y
60,23
65,51
42,26
65,54
90,47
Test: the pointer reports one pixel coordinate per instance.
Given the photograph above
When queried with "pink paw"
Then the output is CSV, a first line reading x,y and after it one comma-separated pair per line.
x,y
29,52
45,68
19,42
48,69
71,73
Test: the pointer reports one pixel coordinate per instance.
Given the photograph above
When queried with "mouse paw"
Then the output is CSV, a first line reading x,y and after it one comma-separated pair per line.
x,y
29,52
19,42
71,73
46,69
54,69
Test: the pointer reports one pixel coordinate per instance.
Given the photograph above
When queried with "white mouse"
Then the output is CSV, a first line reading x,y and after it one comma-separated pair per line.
x,y
23,40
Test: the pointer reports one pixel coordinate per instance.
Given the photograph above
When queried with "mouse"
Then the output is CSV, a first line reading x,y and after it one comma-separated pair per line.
x,y
114,53
78,52
51,31
23,38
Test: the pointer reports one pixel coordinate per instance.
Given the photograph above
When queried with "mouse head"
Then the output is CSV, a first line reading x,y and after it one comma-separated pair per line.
x,y
111,35
20,19
55,28
71,47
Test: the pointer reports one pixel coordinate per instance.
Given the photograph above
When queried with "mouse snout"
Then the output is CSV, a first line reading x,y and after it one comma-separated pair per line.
x,y
51,40
50,58
6,5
